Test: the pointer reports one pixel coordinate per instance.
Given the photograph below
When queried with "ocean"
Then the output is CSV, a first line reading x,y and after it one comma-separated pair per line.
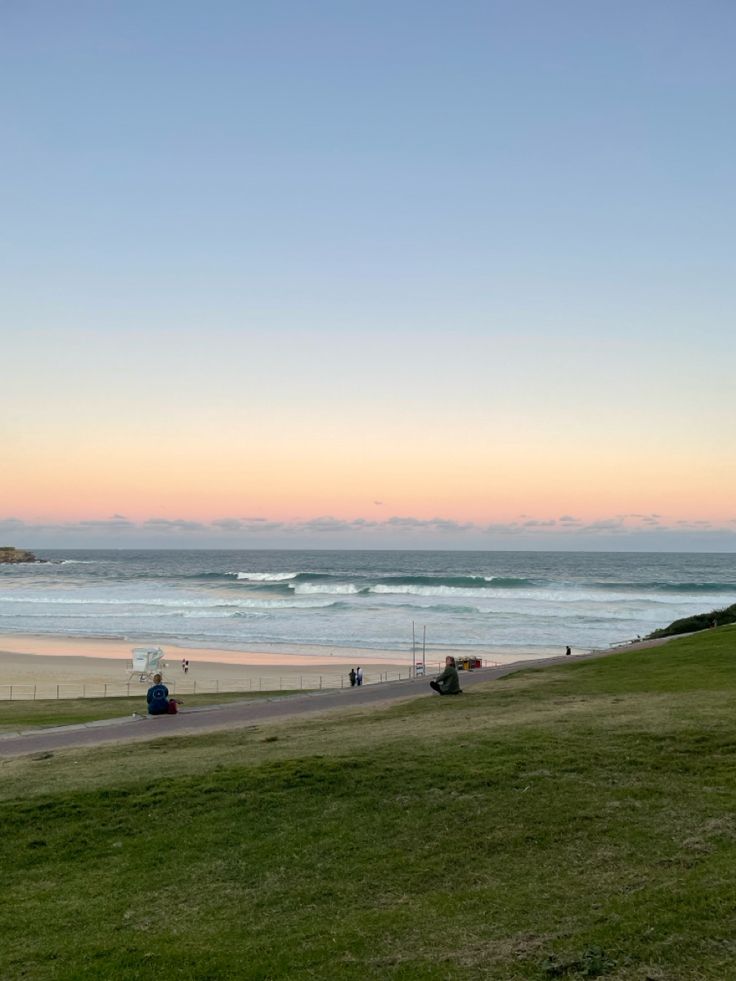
x,y
489,602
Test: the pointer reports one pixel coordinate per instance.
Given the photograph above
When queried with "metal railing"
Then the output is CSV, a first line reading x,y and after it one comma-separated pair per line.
x,y
272,684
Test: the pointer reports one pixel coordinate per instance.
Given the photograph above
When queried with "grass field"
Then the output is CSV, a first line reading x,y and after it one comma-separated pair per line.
x,y
572,822
27,714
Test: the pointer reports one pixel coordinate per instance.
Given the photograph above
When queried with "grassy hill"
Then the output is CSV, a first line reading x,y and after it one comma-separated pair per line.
x,y
572,822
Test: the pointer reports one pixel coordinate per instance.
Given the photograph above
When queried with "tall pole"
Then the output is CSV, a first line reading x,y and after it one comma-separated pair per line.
x,y
413,651
424,650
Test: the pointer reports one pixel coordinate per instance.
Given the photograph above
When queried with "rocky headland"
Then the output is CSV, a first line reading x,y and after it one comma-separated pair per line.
x,y
10,554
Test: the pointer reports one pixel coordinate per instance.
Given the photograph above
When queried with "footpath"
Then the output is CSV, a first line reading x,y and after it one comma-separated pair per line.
x,y
235,715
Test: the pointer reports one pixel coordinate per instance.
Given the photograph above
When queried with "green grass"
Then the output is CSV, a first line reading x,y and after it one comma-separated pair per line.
x,y
568,823
25,714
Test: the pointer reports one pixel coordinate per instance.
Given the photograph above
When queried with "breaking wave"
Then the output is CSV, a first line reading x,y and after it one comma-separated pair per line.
x,y
266,576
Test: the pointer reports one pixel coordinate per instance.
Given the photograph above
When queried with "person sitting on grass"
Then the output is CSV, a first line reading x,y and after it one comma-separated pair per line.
x,y
158,697
448,682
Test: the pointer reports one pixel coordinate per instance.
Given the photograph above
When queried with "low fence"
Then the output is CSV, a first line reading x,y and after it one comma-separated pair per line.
x,y
189,686
185,686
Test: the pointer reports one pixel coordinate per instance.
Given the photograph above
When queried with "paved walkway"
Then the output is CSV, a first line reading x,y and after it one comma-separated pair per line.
x,y
235,715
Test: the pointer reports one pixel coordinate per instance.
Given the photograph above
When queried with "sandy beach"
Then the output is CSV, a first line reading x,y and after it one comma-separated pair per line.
x,y
37,665
83,662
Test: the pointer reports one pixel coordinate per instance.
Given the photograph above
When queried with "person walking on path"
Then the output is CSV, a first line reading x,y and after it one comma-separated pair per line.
x,y
352,677
158,697
359,677
447,683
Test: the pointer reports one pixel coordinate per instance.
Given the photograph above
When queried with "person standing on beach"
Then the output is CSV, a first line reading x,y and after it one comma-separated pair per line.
x,y
447,683
359,677
568,652
352,677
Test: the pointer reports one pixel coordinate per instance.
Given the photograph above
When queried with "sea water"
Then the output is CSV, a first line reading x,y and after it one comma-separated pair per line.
x,y
481,601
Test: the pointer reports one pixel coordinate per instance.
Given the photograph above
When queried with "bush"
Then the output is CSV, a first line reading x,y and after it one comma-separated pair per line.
x,y
701,621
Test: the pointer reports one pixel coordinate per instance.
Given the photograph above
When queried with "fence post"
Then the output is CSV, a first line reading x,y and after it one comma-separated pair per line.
x,y
320,681
84,691
279,683
105,692
129,689
34,693
11,693
57,693
195,688
301,685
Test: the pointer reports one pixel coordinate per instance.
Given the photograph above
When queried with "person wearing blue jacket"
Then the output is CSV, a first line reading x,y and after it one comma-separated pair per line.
x,y
158,697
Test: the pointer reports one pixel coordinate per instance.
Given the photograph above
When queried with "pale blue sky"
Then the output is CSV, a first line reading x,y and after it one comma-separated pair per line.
x,y
287,193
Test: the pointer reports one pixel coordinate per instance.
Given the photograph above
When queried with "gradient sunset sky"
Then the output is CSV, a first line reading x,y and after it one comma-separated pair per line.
x,y
386,274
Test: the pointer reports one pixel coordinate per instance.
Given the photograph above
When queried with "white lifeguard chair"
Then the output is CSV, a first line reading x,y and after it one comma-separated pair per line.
x,y
146,662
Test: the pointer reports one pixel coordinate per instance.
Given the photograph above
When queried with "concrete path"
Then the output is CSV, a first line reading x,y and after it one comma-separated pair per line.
x,y
235,715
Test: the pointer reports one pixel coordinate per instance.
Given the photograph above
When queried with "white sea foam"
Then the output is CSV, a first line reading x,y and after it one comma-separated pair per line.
x,y
571,596
247,604
311,588
266,576
220,614
402,590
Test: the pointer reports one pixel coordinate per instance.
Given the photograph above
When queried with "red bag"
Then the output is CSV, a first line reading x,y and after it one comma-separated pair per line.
x,y
172,709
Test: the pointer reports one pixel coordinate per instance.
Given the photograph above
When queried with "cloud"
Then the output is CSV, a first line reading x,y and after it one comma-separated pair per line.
x,y
409,523
177,524
605,524
235,525
324,523
228,524
330,524
11,524
405,522
502,528
112,524
446,524
631,531
364,523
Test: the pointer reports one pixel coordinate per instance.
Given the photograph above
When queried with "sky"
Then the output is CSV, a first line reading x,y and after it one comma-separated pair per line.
x,y
398,274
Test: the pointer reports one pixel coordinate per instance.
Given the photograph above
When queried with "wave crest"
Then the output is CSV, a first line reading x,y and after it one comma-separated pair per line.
x,y
266,576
